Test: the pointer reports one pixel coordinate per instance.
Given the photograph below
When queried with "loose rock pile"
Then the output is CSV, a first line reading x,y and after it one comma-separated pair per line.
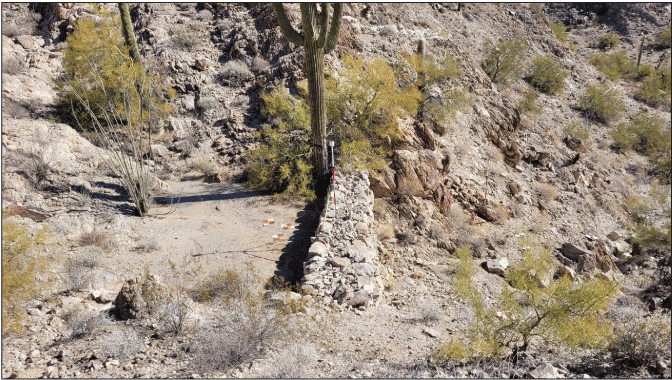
x,y
343,266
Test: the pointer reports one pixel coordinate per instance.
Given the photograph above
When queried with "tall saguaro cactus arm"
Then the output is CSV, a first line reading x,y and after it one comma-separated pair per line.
x,y
287,30
129,36
319,38
334,29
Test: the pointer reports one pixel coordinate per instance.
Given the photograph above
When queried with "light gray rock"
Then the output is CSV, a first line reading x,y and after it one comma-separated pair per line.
x,y
430,332
544,371
340,262
497,266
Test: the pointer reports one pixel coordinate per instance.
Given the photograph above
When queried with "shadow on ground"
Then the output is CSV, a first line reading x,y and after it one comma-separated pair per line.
x,y
290,263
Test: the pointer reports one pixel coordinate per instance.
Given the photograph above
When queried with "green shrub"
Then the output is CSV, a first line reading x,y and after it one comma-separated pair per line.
x,y
97,66
529,103
663,38
363,106
649,218
655,88
646,134
426,71
560,31
21,266
615,65
578,130
608,41
547,75
504,61
282,162
562,311
601,102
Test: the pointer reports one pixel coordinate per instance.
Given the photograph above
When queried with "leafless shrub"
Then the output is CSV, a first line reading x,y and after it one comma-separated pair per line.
x,y
546,192
235,73
148,245
385,232
38,170
429,311
175,315
293,361
122,342
12,66
235,337
640,343
81,324
101,239
78,272
25,23
259,64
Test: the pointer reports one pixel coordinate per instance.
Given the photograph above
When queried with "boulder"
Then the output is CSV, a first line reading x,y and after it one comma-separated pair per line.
x,y
497,266
340,262
544,371
159,150
317,249
585,260
26,41
407,181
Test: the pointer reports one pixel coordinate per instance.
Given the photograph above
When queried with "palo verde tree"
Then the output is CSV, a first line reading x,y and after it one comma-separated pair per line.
x,y
318,37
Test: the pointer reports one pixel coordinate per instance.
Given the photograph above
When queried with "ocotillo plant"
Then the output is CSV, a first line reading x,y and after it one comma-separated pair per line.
x,y
129,36
319,37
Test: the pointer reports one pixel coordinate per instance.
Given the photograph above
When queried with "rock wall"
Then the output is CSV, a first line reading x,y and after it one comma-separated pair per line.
x,y
342,265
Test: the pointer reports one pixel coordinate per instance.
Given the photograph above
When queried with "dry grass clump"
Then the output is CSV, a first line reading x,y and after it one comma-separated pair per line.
x,y
429,311
385,232
101,239
82,324
123,342
546,192
293,361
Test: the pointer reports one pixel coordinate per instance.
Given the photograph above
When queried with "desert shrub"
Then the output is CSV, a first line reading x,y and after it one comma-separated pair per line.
x,y
579,130
175,315
601,102
282,162
293,361
98,238
663,38
562,311
429,311
615,65
123,342
235,73
560,31
106,91
363,106
529,103
647,134
546,192
655,88
425,71
547,75
38,169
225,286
649,218
504,61
98,68
12,66
638,344
608,41
20,24
21,268
82,324
244,325
78,272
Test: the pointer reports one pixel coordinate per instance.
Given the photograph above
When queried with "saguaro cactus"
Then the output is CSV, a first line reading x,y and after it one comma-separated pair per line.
x,y
319,37
129,36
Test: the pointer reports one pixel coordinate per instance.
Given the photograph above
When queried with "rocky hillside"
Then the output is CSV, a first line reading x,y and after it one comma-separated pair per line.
x,y
503,168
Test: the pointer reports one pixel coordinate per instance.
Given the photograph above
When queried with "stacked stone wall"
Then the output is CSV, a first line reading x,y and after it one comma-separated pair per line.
x,y
342,265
